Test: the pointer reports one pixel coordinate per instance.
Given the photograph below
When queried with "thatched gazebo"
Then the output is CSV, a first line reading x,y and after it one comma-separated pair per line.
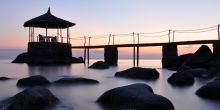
x,y
48,21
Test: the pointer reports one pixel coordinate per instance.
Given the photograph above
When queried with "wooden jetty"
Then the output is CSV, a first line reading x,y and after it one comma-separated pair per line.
x,y
169,49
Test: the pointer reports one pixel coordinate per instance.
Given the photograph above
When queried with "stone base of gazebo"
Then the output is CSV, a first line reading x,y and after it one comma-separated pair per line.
x,y
48,53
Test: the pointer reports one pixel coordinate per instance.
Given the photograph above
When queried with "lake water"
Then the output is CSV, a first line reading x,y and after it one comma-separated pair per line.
x,y
83,97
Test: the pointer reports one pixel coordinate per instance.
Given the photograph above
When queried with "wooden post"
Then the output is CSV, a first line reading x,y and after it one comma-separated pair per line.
x,y
67,36
218,32
173,35
57,34
84,50
88,55
89,40
46,35
29,34
133,38
137,55
138,49
134,55
88,50
113,36
61,36
33,34
109,39
138,38
169,35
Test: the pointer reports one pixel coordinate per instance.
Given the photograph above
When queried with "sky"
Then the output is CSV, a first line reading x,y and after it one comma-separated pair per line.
x,y
104,17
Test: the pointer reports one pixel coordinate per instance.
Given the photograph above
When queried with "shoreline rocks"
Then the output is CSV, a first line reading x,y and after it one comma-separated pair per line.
x,y
26,58
210,90
181,78
137,96
34,98
75,80
3,78
48,53
202,58
33,81
99,65
139,73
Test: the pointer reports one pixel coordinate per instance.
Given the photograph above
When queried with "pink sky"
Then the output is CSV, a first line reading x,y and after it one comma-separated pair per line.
x,y
97,17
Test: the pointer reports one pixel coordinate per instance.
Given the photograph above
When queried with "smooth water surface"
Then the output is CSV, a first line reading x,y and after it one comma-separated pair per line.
x,y
83,97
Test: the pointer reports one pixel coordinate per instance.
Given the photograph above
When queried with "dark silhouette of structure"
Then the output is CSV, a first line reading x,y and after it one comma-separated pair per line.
x,y
44,49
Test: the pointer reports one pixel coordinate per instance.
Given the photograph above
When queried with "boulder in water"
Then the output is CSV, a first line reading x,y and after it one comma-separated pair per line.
x,y
134,97
33,81
75,80
99,65
22,58
35,98
181,78
210,90
201,58
200,72
4,78
139,73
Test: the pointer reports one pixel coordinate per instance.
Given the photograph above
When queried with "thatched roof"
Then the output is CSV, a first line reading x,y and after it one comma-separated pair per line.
x,y
48,20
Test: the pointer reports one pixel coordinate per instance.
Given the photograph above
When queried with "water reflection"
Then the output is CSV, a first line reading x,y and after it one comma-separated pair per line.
x,y
52,73
83,97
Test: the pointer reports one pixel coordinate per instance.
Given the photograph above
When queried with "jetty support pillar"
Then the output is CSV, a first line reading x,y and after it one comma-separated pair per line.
x,y
111,55
169,55
216,48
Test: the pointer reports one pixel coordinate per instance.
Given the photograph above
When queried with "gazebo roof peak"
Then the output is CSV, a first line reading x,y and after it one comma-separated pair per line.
x,y
48,11
48,20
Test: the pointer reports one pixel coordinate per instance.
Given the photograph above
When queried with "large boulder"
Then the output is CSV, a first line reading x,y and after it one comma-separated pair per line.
x,y
22,58
200,72
36,98
4,78
134,97
48,53
210,90
75,80
99,65
181,78
139,73
33,81
201,58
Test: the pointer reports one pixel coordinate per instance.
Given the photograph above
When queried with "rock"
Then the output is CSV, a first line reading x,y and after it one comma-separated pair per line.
x,y
77,60
210,90
214,71
201,58
75,80
134,97
139,73
218,75
183,58
200,72
99,65
4,78
181,78
22,58
35,98
48,53
33,81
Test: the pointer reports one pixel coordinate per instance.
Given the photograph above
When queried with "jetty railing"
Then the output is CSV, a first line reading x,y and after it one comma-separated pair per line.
x,y
137,40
